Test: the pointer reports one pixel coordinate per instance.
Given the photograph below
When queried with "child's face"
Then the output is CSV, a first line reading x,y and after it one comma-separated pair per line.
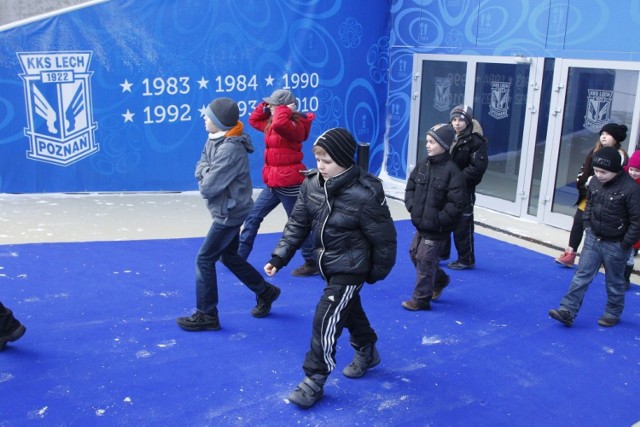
x,y
327,167
603,176
458,123
208,124
607,140
433,148
634,172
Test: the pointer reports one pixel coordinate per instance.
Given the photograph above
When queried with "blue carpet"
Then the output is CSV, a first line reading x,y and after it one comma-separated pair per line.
x,y
102,346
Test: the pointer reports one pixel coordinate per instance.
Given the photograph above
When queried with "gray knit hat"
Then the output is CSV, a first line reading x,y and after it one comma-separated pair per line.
x,y
280,97
339,144
464,112
444,135
223,113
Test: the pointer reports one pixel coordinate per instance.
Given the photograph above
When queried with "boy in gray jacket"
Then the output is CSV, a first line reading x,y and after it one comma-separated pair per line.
x,y
225,183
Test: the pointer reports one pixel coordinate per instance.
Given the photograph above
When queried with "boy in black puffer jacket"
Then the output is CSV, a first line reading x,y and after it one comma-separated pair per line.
x,y
469,153
356,238
435,196
612,227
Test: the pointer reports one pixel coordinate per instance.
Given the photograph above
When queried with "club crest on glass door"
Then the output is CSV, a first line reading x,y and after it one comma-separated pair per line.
x,y
499,105
598,109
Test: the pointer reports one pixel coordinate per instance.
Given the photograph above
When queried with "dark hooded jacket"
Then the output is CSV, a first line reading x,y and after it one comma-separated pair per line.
x,y
435,196
613,210
353,230
469,153
586,172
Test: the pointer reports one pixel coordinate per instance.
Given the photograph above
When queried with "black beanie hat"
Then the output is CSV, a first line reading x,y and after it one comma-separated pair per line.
x,y
223,112
618,132
464,112
444,134
607,158
339,144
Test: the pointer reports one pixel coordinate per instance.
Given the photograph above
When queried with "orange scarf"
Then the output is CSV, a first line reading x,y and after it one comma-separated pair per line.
x,y
237,130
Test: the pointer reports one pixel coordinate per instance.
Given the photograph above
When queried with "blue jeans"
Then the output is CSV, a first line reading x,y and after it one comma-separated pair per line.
x,y
595,253
222,243
267,201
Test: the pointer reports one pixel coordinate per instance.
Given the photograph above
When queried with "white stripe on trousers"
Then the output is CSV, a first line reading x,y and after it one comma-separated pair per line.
x,y
328,336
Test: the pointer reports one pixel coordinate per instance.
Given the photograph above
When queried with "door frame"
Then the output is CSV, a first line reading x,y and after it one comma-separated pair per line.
x,y
525,172
554,131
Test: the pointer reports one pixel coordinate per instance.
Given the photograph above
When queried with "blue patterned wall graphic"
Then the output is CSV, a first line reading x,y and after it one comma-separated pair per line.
x,y
131,120
577,29
149,69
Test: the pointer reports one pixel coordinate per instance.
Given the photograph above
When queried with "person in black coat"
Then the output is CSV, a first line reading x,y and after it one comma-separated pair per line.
x,y
435,197
612,227
355,235
469,152
10,328
611,135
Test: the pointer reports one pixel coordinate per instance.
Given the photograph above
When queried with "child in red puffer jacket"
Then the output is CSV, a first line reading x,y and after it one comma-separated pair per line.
x,y
633,168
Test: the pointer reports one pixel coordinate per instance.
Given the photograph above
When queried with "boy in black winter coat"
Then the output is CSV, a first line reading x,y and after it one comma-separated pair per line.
x,y
612,227
435,196
469,153
356,238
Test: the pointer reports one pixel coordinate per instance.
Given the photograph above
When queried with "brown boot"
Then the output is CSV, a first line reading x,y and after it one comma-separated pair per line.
x,y
309,268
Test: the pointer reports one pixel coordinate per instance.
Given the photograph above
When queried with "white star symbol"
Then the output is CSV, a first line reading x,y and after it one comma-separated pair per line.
x,y
203,83
202,110
269,80
128,116
126,86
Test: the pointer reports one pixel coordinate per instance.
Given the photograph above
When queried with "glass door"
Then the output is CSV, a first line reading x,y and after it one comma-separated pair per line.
x,y
504,94
588,95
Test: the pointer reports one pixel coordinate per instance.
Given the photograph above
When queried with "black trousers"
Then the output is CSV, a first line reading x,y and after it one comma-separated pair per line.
x,y
7,322
339,307
577,230
463,239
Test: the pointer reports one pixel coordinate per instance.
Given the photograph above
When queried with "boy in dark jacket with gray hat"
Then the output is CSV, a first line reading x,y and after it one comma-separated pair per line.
x,y
434,196
225,183
469,152
356,238
612,226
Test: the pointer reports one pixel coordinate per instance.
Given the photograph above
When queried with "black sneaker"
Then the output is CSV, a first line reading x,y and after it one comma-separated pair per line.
x,y
199,321
562,316
457,265
307,393
264,301
12,336
607,321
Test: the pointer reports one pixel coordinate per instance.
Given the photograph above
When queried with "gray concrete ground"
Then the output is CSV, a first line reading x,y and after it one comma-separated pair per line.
x,y
40,218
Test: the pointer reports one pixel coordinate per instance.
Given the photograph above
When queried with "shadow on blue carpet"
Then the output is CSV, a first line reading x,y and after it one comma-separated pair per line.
x,y
102,346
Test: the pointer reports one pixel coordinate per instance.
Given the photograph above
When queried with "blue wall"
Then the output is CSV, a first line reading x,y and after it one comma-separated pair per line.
x,y
578,29
349,61
108,97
